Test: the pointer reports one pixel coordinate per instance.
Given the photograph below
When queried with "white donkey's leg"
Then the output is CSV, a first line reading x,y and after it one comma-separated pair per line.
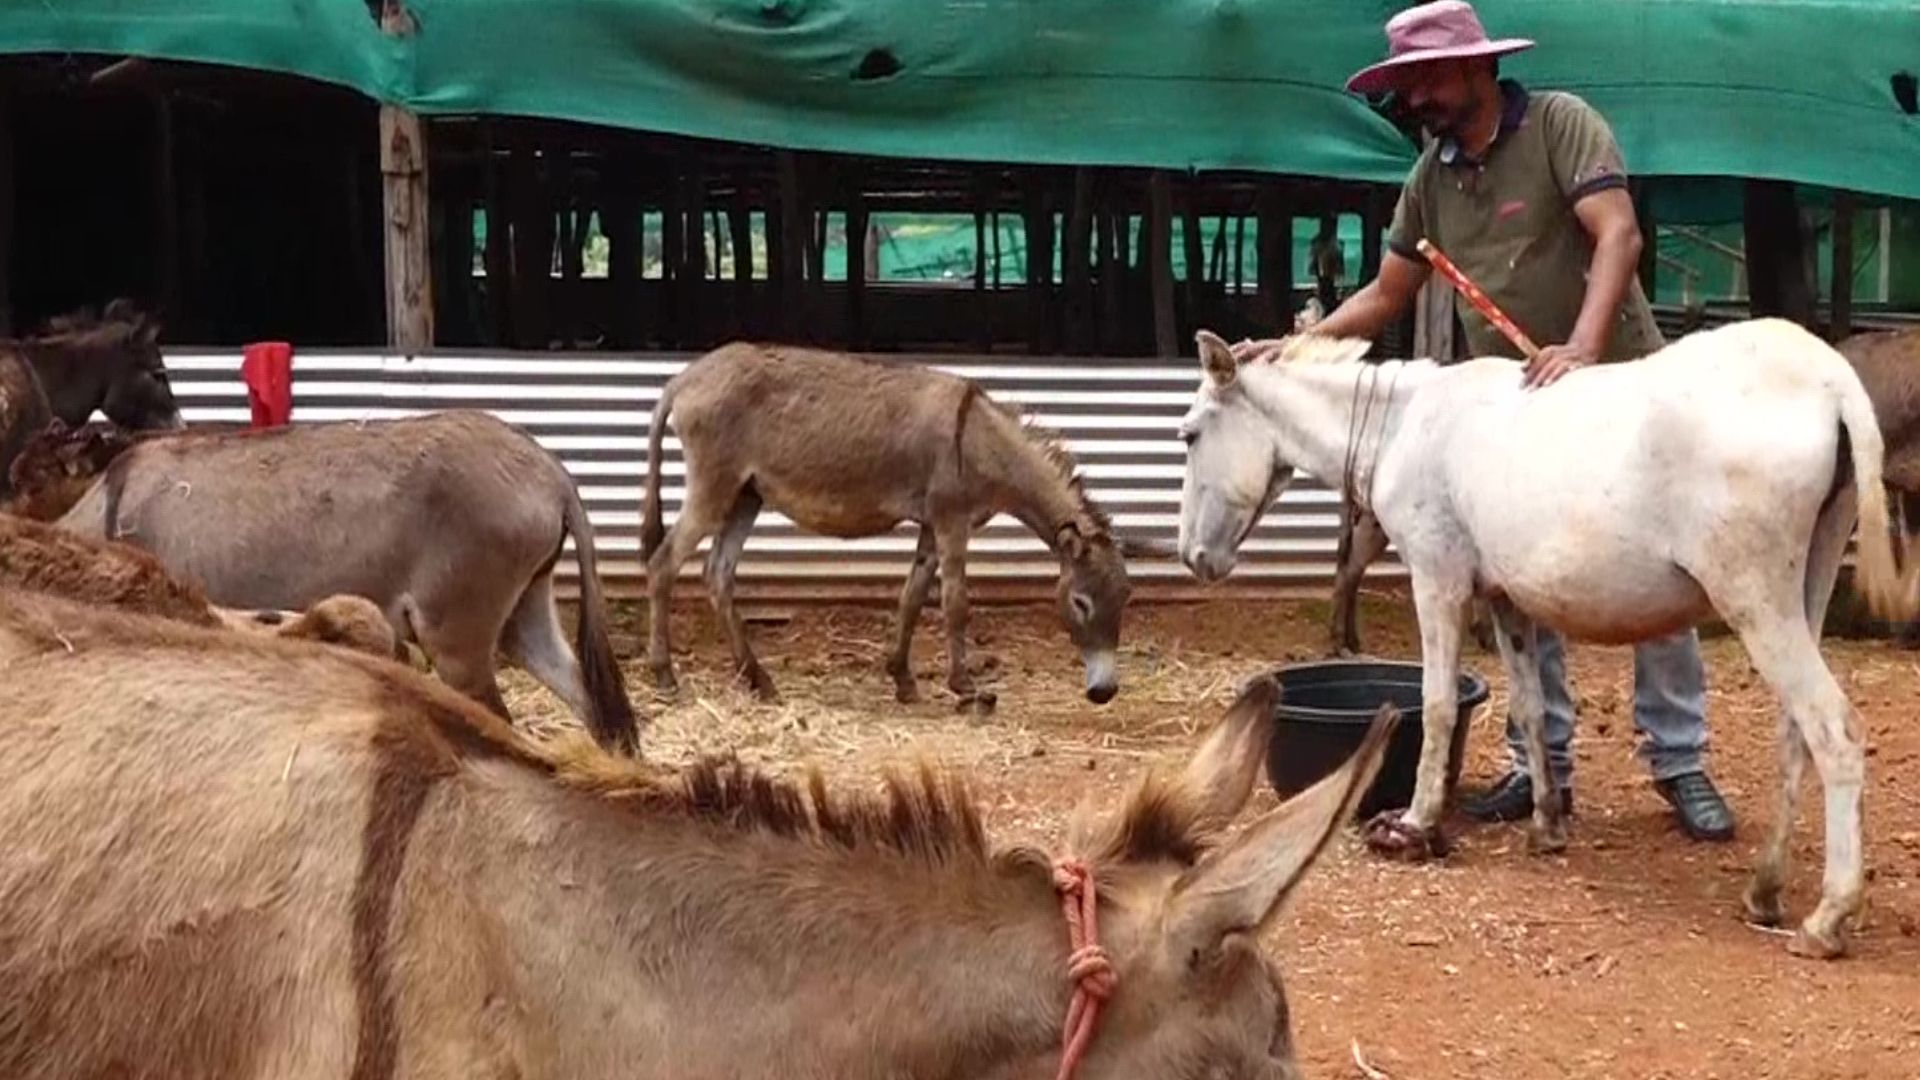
x,y
1773,627
1823,570
1442,608
1519,645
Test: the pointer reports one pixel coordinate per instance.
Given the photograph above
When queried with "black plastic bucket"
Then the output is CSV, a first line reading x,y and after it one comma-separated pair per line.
x,y
1323,714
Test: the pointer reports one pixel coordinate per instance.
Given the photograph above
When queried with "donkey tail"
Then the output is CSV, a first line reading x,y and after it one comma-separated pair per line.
x,y
1878,577
652,530
610,716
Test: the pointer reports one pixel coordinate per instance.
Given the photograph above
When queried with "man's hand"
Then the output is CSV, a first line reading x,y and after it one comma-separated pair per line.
x,y
1555,361
1246,351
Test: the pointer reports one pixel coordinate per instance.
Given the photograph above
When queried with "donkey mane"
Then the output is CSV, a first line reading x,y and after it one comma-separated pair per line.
x,y
1053,448
1310,348
926,814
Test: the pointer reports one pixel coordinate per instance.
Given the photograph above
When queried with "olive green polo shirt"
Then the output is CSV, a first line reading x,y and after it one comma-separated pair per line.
x,y
1507,222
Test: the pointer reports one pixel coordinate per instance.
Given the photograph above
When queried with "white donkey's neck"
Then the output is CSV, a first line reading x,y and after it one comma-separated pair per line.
x,y
1330,418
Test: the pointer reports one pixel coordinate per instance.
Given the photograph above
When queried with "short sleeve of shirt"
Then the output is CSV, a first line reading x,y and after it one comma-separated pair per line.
x,y
1581,148
1409,214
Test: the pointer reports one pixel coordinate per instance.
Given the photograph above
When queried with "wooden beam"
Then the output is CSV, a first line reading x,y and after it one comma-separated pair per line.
x,y
790,260
403,168
1166,333
1273,228
1841,305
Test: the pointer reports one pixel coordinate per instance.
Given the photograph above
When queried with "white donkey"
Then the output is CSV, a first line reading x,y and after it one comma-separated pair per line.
x,y
1622,503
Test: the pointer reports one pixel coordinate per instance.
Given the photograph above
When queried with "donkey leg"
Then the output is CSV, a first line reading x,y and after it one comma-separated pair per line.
x,y
1414,834
1762,898
723,560
1773,627
696,521
952,541
1824,556
1365,542
1518,641
534,640
913,597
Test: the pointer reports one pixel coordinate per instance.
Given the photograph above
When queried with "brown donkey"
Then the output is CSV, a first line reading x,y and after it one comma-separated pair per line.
x,y
255,859
850,448
44,558
82,362
452,522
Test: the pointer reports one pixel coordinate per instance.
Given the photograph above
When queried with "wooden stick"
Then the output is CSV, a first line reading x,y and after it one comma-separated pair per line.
x,y
1479,299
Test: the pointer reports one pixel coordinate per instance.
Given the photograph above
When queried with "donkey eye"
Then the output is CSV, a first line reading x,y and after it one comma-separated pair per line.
x,y
1188,437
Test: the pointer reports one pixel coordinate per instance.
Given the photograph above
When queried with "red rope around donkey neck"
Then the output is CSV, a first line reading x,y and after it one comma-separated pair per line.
x,y
1088,965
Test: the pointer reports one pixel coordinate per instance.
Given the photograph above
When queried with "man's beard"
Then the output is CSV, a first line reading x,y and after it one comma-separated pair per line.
x,y
1445,123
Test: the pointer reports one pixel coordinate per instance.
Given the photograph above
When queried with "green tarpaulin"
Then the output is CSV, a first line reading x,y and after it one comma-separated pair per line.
x,y
1791,89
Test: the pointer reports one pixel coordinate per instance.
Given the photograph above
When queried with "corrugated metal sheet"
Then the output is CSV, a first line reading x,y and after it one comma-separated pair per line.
x,y
1118,416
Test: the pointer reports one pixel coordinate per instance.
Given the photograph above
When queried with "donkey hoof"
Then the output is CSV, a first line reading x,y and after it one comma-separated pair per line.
x,y
906,693
1763,906
979,702
1547,839
664,683
1814,944
1389,835
761,686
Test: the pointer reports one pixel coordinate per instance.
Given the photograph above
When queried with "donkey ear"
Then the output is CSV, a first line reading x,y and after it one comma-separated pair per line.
x,y
1140,547
1216,357
1071,545
1221,773
1240,887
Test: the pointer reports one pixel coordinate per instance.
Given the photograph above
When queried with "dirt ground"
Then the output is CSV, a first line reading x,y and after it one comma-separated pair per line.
x,y
1626,957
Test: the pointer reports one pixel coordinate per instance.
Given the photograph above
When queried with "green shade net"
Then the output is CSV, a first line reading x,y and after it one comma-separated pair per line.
x,y
1790,89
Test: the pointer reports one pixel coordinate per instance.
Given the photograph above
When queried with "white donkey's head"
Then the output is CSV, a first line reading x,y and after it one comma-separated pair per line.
x,y
1237,464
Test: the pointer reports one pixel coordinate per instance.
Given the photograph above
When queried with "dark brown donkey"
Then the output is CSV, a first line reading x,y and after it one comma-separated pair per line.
x,y
79,364
450,522
851,448
322,864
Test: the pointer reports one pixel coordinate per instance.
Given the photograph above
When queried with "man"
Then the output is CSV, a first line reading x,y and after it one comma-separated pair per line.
x,y
1527,194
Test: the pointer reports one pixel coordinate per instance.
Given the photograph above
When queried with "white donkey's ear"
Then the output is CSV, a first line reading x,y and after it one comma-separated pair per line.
x,y
1216,357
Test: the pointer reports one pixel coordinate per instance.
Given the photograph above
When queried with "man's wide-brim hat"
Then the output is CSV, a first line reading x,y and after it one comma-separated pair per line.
x,y
1444,30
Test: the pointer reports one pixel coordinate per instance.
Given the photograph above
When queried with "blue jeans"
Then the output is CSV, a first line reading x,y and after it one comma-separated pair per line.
x,y
1669,707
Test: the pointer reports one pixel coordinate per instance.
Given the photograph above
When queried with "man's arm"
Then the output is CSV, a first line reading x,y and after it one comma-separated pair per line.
x,y
1608,218
1365,313
1592,176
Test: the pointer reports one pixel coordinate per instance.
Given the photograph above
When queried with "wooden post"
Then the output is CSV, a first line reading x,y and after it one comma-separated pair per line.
x,y
6,213
1196,249
1040,233
1841,308
857,269
1273,228
791,254
1076,263
1372,226
403,167
1166,334
1433,321
626,248
166,241
1776,262
499,253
